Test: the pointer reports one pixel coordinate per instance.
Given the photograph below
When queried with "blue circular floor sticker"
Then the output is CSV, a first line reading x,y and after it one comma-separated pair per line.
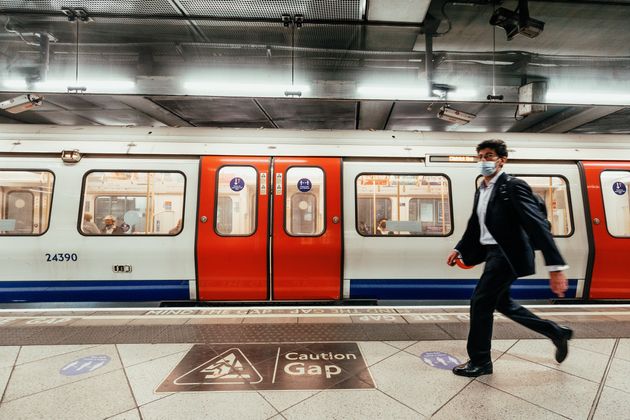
x,y
304,185
439,360
85,365
237,184
619,188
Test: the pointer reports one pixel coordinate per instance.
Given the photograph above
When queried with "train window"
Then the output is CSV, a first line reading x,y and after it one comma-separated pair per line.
x,y
304,201
403,205
615,186
25,198
132,203
555,193
236,201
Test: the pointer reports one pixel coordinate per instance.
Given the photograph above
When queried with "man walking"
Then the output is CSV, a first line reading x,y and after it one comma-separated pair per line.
x,y
505,226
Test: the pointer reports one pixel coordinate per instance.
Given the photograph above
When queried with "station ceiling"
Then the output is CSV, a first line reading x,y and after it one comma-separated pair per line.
x,y
327,64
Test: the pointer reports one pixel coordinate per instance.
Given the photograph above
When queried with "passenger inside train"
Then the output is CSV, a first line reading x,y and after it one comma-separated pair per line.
x,y
89,226
110,227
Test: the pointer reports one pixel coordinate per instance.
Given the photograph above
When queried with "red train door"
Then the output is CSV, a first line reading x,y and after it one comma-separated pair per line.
x,y
234,244
307,228
608,185
232,228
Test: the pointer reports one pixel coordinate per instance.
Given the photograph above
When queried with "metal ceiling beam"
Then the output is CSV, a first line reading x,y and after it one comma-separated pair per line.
x,y
153,110
572,118
265,113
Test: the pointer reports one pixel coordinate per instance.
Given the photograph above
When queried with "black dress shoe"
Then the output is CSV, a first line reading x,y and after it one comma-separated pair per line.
x,y
471,370
562,343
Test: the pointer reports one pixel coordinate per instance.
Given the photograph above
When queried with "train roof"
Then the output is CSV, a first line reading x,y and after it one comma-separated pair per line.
x,y
44,139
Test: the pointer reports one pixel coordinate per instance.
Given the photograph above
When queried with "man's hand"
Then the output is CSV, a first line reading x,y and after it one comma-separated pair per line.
x,y
558,282
452,258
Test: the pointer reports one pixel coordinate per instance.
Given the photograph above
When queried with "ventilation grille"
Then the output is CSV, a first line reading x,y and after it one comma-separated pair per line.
x,y
272,9
344,10
118,7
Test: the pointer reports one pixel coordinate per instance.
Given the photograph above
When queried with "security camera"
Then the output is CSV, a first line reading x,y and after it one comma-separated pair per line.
x,y
452,115
21,103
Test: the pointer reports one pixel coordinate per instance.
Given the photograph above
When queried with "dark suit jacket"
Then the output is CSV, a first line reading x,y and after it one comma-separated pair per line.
x,y
515,222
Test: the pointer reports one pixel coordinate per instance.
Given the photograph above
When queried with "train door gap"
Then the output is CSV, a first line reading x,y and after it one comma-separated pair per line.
x,y
270,200
588,277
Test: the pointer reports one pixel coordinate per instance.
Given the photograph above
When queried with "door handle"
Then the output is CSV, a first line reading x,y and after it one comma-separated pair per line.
x,y
203,219
335,219
596,221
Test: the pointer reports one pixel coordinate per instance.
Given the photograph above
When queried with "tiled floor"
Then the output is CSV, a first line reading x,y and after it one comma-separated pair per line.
x,y
594,382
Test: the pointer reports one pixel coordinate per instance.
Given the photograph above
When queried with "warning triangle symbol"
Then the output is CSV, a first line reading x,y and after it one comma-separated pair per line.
x,y
230,367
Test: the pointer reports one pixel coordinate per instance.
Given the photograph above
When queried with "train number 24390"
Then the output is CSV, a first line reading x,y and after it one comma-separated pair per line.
x,y
61,257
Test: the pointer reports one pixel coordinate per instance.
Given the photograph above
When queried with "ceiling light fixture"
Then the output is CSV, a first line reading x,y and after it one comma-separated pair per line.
x,y
245,89
517,21
587,97
409,93
107,86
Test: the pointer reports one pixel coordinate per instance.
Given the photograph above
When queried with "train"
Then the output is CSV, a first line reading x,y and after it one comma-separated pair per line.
x,y
191,215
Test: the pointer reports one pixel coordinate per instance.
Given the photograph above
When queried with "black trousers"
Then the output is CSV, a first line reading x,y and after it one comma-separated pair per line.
x,y
493,292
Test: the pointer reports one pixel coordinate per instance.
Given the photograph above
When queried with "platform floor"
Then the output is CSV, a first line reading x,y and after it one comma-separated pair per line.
x,y
120,364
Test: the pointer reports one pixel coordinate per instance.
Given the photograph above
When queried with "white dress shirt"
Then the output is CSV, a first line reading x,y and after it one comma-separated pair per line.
x,y
485,191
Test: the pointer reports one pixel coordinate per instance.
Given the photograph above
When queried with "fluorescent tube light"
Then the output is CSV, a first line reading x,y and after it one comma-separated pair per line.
x,y
245,89
62,85
587,97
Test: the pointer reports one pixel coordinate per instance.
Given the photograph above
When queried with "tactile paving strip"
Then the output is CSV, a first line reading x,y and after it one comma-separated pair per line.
x,y
296,332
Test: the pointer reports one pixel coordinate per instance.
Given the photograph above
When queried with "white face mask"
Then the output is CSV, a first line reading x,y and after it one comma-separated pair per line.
x,y
487,167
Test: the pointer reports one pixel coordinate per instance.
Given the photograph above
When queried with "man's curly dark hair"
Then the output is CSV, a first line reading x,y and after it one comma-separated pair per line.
x,y
499,147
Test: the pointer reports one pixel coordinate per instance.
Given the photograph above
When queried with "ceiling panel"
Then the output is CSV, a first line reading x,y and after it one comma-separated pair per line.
x,y
119,117
52,117
310,114
81,102
617,123
217,112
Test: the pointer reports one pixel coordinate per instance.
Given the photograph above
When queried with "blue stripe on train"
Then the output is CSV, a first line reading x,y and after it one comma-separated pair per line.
x,y
93,291
414,289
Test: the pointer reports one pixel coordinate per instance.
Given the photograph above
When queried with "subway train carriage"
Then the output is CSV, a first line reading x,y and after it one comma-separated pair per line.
x,y
185,214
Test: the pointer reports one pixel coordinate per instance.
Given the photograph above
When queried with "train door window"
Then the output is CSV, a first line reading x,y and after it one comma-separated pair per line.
x,y
236,201
403,205
304,212
132,203
615,185
554,192
25,197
